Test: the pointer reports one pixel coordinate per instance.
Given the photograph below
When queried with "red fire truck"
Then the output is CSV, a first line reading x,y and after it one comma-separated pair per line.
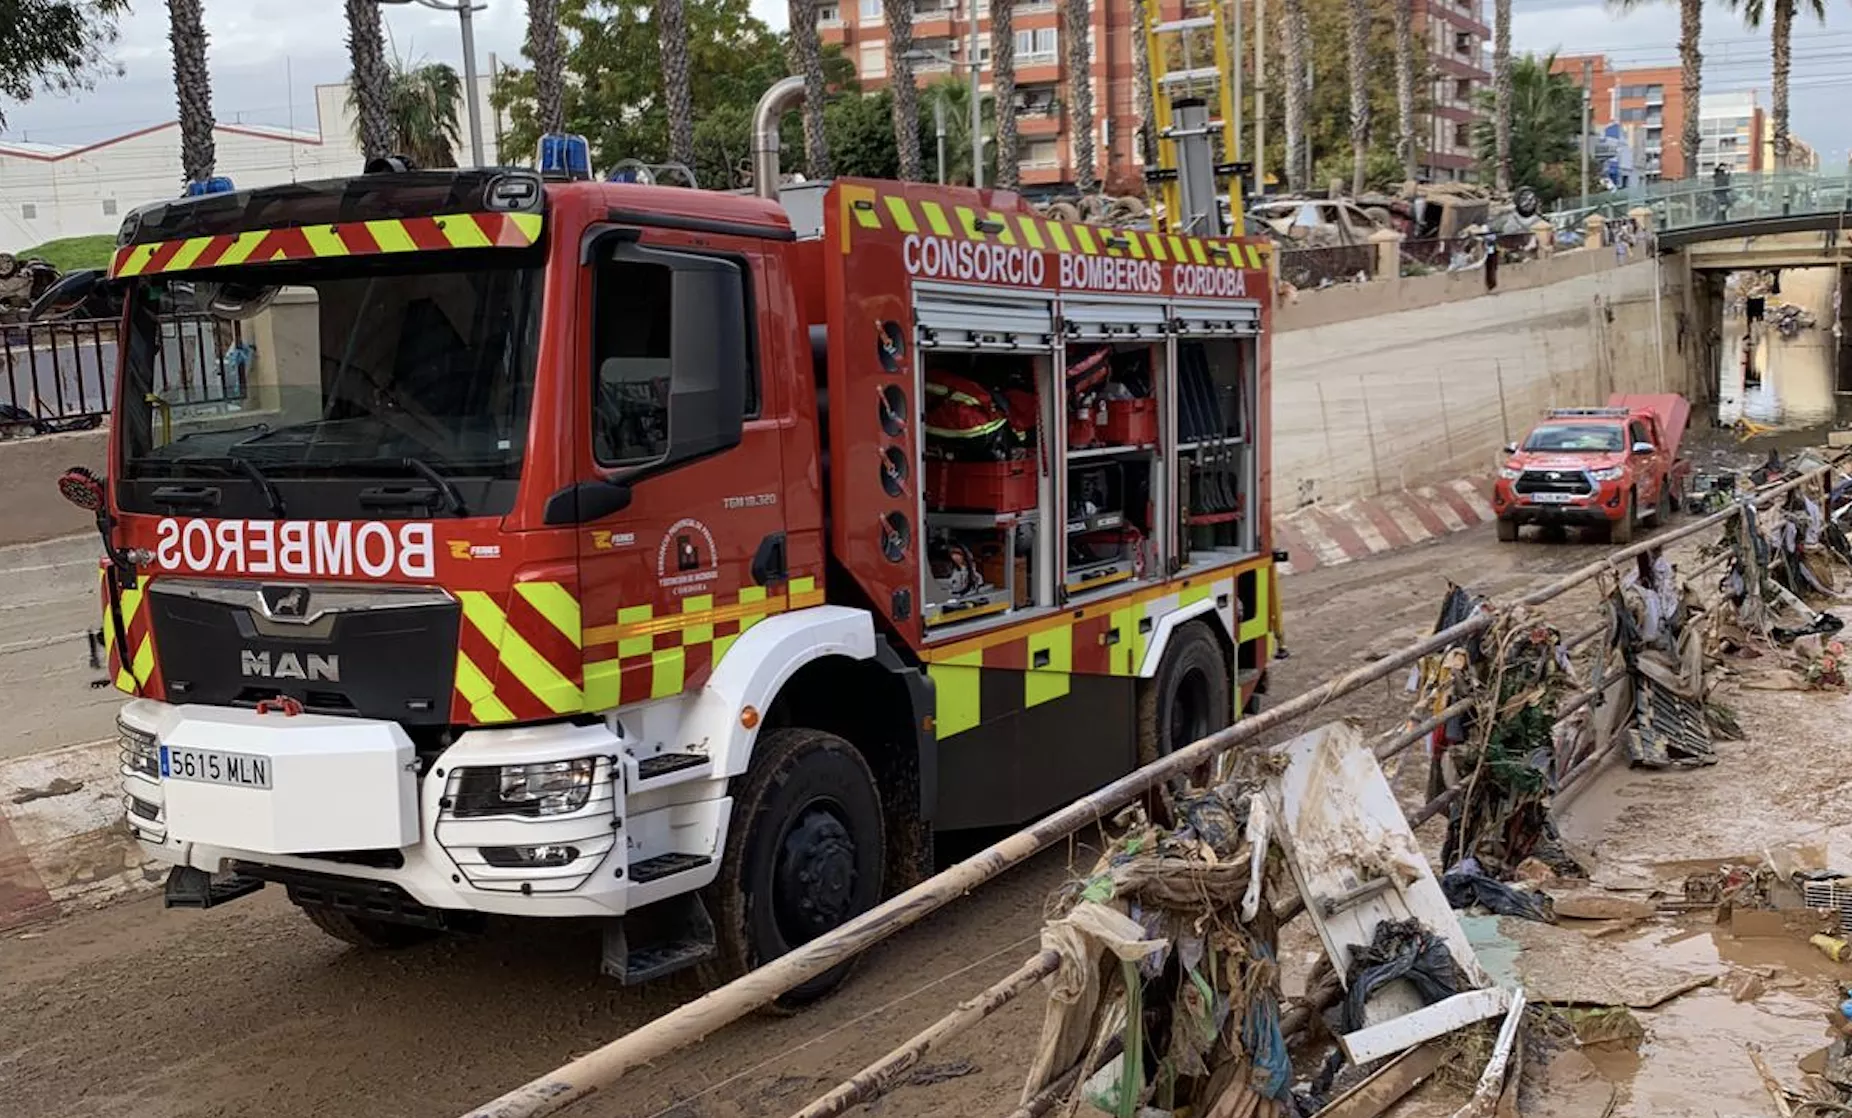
x,y
592,549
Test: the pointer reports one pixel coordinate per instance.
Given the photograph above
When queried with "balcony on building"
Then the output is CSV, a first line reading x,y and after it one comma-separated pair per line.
x,y
935,18
1038,111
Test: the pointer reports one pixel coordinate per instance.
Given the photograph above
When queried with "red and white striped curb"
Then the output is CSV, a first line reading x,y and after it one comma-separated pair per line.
x,y
63,842
1326,535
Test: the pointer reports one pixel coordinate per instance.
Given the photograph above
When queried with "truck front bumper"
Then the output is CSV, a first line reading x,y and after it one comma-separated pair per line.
x,y
333,806
1603,506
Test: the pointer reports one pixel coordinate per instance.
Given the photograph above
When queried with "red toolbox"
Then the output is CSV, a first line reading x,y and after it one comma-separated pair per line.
x,y
981,486
1131,422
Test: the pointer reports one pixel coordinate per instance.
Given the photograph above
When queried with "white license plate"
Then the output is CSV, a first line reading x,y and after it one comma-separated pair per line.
x,y
1551,498
210,766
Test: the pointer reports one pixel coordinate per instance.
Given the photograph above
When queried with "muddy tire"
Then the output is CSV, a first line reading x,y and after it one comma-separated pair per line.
x,y
1507,530
804,854
1189,697
1621,531
365,931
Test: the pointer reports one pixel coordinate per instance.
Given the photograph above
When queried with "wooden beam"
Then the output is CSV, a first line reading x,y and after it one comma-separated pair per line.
x,y
1424,1024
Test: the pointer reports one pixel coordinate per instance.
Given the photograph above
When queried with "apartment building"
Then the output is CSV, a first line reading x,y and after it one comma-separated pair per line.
x,y
941,30
1731,129
1455,34
1648,99
1453,30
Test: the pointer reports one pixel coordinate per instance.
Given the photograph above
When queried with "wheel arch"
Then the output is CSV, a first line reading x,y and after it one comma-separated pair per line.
x,y
1167,626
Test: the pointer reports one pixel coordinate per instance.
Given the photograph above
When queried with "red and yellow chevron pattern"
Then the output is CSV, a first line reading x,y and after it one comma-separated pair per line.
x,y
315,242
140,633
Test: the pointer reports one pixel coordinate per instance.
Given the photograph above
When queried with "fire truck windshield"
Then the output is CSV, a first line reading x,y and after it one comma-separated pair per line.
x,y
401,372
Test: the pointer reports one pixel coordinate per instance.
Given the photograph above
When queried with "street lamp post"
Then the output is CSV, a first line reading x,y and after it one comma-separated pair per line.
x,y
923,54
464,9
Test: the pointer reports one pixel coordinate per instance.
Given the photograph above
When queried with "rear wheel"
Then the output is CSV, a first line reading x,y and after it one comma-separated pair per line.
x,y
1188,698
1507,530
1621,530
804,854
366,931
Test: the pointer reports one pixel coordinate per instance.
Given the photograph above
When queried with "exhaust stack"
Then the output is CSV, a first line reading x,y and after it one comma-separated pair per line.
x,y
784,94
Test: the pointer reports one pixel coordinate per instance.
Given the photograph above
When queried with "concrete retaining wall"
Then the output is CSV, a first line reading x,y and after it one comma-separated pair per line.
x,y
30,507
1417,397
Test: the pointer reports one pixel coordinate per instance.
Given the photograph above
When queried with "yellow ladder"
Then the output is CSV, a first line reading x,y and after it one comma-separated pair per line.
x,y
1181,76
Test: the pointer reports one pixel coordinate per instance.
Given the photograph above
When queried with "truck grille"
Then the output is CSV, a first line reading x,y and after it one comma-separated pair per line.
x,y
1554,481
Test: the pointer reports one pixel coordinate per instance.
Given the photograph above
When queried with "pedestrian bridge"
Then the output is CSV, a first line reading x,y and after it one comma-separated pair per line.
x,y
1691,212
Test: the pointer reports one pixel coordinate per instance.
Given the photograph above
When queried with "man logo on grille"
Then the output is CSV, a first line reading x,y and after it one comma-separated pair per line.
x,y
286,601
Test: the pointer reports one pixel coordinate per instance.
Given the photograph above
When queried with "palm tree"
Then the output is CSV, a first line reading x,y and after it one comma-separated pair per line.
x,y
1501,91
1781,39
1544,128
367,90
421,113
1141,80
192,88
952,95
672,39
807,59
1003,90
899,15
1405,86
1357,49
1295,45
1690,66
543,47
1080,91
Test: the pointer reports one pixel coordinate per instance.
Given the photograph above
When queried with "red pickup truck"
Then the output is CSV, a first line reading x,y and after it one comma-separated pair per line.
x,y
1604,468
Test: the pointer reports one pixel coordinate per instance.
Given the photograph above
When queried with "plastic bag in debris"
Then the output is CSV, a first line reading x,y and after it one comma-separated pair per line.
x,y
1074,989
1467,886
1399,949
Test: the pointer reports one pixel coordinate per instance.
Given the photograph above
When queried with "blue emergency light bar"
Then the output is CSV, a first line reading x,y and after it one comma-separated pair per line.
x,y
217,184
565,154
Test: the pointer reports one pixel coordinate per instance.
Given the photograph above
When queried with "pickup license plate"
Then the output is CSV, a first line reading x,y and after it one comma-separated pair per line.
x,y
1551,498
210,766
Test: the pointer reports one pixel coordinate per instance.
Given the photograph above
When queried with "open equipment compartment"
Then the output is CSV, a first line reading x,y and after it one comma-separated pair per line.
x,y
987,392
1217,457
1117,359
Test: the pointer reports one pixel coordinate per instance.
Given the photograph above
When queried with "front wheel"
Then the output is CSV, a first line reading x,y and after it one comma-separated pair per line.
x,y
804,855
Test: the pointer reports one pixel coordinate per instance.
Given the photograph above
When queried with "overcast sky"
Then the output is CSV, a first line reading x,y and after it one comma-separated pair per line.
x,y
267,56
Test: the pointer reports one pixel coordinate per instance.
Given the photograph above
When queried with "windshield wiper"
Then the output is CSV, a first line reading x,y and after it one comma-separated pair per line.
x,y
453,497
234,464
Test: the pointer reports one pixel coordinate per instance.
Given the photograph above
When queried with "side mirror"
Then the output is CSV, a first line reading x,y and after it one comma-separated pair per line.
x,y
1511,448
1643,448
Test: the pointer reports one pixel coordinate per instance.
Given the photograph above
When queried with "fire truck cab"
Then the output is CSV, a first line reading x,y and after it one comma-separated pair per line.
x,y
588,549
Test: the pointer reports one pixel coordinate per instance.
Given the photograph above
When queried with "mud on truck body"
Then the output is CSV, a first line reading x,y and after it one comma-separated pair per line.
x,y
582,549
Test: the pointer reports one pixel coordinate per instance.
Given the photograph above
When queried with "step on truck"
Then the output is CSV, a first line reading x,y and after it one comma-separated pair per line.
x,y
677,559
1605,468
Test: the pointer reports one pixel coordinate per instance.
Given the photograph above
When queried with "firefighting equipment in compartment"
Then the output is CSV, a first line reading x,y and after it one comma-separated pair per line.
x,y
1084,380
954,565
1213,485
965,420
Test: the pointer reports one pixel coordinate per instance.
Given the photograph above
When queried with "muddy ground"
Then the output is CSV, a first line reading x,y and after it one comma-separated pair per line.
x,y
248,1010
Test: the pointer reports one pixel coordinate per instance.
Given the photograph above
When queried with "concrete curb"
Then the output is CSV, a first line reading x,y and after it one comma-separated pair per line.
x,y
1327,535
63,843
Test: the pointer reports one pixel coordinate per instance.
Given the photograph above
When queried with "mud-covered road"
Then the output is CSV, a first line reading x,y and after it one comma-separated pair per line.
x,y
248,1010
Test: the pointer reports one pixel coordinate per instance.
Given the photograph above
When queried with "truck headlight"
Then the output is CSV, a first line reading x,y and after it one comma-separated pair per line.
x,y
140,754
1510,474
546,788
1612,473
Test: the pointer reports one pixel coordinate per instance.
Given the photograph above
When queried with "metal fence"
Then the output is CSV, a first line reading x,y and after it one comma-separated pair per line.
x,y
57,371
1319,267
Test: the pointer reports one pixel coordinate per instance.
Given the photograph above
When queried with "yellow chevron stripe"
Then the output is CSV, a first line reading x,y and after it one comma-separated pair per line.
x,y
1031,230
1157,245
935,217
903,216
242,248
553,602
479,693
1084,237
463,232
324,241
560,694
1005,237
188,253
1058,234
391,236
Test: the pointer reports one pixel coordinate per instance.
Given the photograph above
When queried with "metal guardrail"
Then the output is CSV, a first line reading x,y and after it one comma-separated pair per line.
x,y
1691,203
63,370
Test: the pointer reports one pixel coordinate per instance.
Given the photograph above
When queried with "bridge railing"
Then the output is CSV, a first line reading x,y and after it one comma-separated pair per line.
x,y
1688,203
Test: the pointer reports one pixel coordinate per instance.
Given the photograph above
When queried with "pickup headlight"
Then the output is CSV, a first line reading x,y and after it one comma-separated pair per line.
x,y
547,788
1510,474
1612,473
140,753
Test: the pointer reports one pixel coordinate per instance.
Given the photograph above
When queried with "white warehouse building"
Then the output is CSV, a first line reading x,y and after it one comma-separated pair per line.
x,y
48,191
